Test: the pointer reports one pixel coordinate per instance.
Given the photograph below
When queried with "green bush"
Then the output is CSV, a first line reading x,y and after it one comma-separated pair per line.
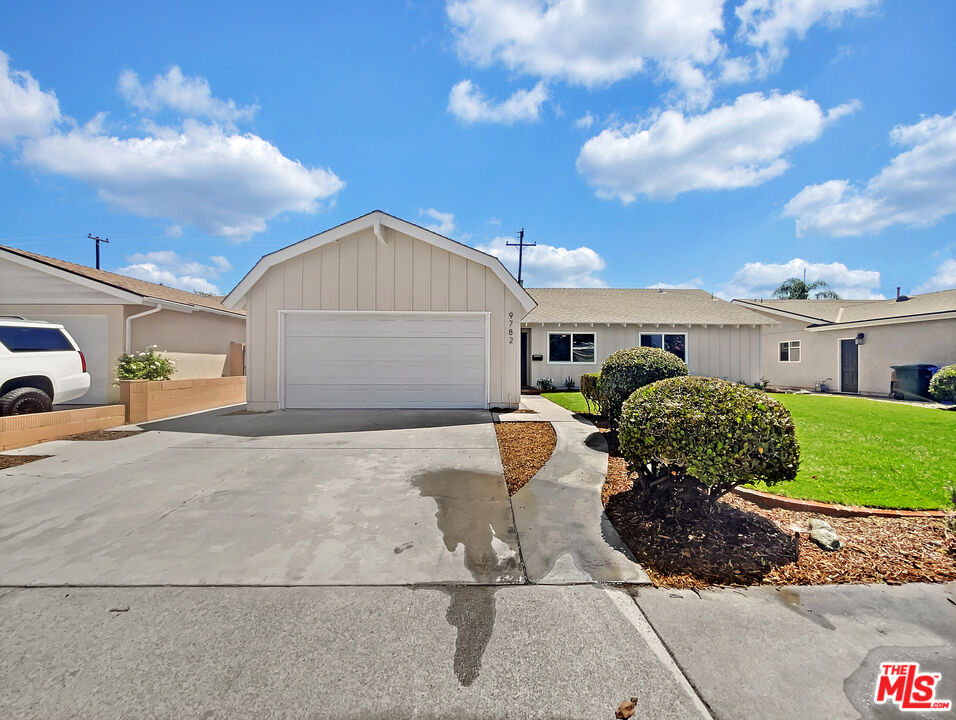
x,y
589,389
546,385
627,370
146,365
942,386
718,433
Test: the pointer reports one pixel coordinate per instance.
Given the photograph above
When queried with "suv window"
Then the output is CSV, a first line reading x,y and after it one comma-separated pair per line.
x,y
33,339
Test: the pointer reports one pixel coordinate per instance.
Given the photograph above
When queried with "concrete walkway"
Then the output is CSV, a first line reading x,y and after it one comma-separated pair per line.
x,y
565,535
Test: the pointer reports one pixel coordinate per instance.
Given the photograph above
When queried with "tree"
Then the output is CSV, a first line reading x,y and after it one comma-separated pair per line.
x,y
797,289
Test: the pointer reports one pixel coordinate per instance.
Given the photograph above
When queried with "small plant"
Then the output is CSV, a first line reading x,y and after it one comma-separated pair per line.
x,y
146,365
762,384
942,386
546,385
569,383
589,389
717,433
627,370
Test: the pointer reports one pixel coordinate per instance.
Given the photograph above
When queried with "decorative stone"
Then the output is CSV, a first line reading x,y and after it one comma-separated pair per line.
x,y
824,535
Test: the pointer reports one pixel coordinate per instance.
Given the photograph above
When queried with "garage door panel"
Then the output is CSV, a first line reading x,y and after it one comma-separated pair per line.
x,y
384,360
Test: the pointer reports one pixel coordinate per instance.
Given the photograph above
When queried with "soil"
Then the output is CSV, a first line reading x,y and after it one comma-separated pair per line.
x,y
685,544
103,435
525,447
9,461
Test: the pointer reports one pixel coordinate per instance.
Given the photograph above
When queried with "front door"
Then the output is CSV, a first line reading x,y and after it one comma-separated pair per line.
x,y
849,366
524,358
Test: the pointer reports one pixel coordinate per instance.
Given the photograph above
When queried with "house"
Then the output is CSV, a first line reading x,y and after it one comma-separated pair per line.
x,y
379,312
109,314
850,345
573,330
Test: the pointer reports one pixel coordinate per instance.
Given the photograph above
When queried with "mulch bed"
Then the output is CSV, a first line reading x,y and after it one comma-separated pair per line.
x,y
103,435
525,447
682,545
9,461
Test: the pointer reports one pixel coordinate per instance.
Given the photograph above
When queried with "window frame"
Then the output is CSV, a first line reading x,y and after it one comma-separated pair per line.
x,y
572,361
790,345
662,333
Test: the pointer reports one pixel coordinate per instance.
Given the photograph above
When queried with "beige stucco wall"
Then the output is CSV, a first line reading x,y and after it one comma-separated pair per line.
x,y
359,272
883,346
197,341
116,328
729,352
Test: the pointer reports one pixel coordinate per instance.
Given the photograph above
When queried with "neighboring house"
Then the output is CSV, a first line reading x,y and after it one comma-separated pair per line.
x,y
850,345
108,314
379,312
573,330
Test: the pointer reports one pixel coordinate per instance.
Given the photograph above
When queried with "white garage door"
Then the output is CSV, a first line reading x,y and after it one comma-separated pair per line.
x,y
384,360
91,333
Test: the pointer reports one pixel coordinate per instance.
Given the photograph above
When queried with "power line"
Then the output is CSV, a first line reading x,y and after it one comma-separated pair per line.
x,y
521,245
98,240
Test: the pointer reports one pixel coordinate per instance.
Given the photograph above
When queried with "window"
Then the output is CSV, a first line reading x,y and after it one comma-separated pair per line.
x,y
33,339
571,348
790,351
675,343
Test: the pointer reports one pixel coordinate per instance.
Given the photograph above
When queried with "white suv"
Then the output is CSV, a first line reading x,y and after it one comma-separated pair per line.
x,y
40,364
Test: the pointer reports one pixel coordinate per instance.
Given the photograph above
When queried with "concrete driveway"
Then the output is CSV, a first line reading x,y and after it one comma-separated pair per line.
x,y
356,497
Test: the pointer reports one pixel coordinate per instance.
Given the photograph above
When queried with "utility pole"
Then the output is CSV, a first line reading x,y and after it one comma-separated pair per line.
x,y
98,241
521,245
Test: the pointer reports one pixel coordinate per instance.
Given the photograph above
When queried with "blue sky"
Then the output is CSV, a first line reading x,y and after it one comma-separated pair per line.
x,y
688,143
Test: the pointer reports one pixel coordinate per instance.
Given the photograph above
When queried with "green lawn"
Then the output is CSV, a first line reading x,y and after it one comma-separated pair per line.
x,y
856,451
573,401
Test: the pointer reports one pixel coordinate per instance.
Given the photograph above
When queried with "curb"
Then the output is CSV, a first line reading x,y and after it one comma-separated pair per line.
x,y
768,500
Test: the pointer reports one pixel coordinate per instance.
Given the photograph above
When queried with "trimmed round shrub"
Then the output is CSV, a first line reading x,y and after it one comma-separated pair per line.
x,y
627,370
719,433
589,389
942,386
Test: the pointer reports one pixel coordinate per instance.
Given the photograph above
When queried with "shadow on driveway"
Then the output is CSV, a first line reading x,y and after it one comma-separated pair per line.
x,y
239,422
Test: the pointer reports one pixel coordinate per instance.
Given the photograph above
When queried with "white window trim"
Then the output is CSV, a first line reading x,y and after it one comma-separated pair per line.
x,y
789,348
662,333
572,361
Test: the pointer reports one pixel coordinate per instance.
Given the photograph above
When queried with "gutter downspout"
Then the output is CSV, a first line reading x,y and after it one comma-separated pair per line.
x,y
129,325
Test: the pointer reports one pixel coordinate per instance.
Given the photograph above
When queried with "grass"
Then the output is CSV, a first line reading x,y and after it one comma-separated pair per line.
x,y
573,401
855,451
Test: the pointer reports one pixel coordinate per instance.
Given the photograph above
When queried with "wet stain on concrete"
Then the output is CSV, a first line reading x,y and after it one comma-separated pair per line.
x,y
791,600
473,511
471,611
399,549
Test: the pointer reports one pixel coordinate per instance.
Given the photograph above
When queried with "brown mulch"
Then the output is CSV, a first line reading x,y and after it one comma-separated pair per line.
x,y
9,461
525,447
683,545
507,411
104,435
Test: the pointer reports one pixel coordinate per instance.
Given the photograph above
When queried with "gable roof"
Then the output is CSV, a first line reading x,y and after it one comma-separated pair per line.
x,y
127,288
824,315
375,220
636,306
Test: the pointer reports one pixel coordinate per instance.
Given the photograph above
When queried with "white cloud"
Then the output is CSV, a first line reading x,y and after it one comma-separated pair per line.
x,y
169,268
732,146
223,183
767,25
585,121
917,188
587,42
943,279
549,266
687,285
25,109
444,221
191,96
468,103
757,279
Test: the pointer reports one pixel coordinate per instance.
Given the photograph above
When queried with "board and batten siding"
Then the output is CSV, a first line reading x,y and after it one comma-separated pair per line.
x,y
728,352
359,272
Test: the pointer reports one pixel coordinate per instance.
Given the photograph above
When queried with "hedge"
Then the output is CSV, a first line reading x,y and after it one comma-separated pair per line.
x,y
589,389
942,386
627,370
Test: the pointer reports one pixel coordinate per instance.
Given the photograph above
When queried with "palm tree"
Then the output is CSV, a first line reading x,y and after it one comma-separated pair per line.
x,y
797,289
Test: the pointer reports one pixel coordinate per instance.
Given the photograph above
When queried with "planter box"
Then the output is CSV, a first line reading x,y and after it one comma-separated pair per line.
x,y
155,399
22,430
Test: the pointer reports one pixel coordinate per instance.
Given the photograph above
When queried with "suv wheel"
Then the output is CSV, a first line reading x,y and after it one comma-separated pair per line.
x,y
25,400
